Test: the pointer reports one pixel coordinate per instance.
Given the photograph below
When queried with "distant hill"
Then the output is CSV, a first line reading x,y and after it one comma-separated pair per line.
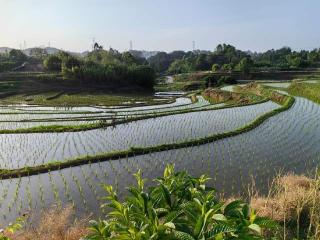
x,y
50,50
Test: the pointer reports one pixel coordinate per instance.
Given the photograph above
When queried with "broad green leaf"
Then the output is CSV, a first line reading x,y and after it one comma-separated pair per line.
x,y
182,235
219,217
170,225
218,229
255,227
231,206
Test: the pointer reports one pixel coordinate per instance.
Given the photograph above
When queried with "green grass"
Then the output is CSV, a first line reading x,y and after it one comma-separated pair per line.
x,y
57,99
167,87
310,91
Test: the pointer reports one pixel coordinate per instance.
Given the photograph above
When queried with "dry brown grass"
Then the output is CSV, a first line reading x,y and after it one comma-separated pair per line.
x,y
294,199
56,224
217,96
260,90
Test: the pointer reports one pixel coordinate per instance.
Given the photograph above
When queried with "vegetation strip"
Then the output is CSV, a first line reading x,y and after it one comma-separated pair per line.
x,y
136,151
306,90
48,113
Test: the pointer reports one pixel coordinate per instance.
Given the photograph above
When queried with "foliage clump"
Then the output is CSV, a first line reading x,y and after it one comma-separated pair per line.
x,y
109,69
177,207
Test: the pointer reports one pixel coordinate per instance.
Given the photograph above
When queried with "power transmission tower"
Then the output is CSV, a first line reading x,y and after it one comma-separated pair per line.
x,y
24,45
193,45
131,45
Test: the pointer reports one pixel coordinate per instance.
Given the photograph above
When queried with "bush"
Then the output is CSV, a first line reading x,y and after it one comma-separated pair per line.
x,y
215,67
69,61
178,207
143,76
226,80
210,81
53,63
112,75
8,66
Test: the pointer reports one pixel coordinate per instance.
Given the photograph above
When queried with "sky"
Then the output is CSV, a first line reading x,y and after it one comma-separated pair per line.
x,y
161,25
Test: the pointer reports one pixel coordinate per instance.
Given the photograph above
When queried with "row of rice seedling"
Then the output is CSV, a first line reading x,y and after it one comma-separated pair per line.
x,y
41,148
20,108
199,101
104,119
46,119
43,117
288,142
23,125
181,103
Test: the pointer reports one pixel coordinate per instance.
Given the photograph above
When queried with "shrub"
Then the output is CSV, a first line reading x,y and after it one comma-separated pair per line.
x,y
293,200
215,67
210,81
178,207
52,63
226,80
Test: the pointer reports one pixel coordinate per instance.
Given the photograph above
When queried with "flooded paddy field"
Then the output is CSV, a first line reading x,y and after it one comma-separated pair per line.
x,y
287,142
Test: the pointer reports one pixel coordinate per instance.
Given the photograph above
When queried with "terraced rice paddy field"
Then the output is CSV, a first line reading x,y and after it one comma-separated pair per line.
x,y
232,143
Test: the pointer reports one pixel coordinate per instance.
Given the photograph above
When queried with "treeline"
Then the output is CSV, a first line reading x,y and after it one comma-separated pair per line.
x,y
110,69
227,58
11,60
16,59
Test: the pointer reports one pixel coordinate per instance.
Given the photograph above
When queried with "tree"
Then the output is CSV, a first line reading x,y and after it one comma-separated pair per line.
x,y
219,48
143,76
129,59
201,62
96,47
38,53
227,67
70,61
17,55
245,65
162,60
180,66
215,67
53,63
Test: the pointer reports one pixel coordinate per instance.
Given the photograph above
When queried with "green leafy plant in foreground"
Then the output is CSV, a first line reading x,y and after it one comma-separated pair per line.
x,y
12,228
178,207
